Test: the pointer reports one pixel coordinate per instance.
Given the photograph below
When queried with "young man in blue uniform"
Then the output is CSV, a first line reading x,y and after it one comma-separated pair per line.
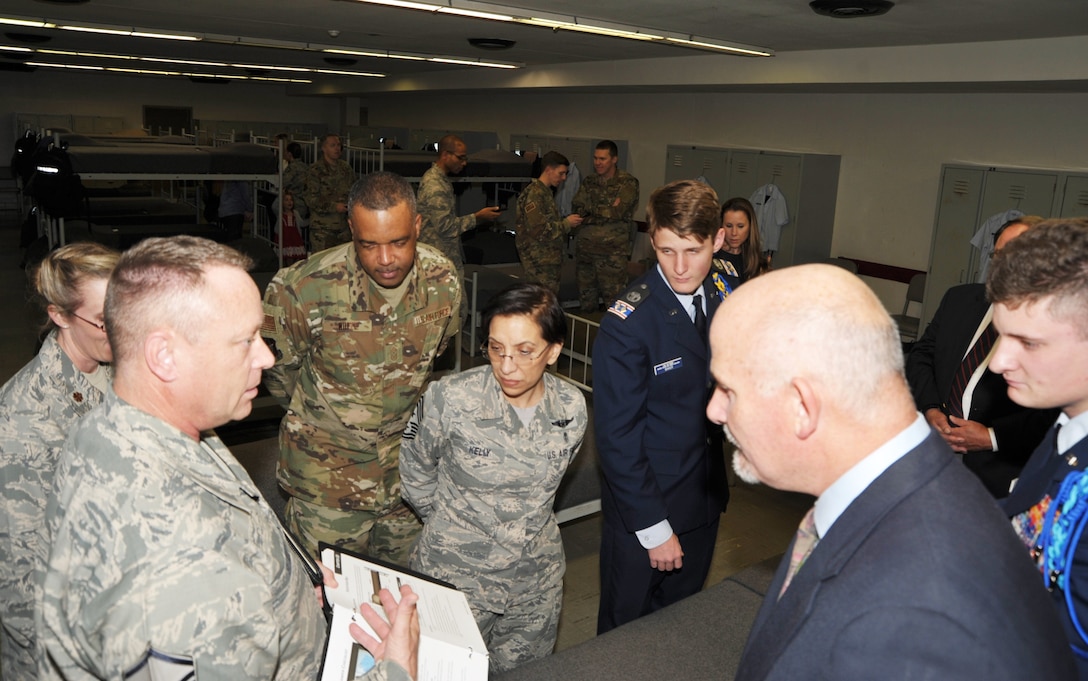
x,y
664,472
1039,288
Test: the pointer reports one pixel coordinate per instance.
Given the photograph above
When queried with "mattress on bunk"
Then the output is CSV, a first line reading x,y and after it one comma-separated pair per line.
x,y
136,210
170,159
486,163
242,158
498,163
407,163
122,237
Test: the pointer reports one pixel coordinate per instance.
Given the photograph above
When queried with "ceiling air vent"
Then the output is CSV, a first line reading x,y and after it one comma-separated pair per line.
x,y
850,9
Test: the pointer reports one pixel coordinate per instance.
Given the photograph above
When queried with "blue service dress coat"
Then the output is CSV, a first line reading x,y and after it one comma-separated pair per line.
x,y
921,577
931,367
660,457
1042,477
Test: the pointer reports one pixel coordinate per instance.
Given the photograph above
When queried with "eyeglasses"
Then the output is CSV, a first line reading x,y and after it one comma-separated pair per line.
x,y
519,357
463,158
100,327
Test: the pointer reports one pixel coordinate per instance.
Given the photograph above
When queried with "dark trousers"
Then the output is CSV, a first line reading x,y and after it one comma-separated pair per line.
x,y
630,588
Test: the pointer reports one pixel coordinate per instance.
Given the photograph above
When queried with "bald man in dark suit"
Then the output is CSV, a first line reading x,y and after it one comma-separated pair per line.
x,y
905,568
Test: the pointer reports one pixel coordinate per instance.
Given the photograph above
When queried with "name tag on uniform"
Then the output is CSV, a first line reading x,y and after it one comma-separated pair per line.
x,y
431,316
668,366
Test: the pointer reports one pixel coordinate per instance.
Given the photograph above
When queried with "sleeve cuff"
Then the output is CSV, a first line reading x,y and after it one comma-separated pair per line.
x,y
654,535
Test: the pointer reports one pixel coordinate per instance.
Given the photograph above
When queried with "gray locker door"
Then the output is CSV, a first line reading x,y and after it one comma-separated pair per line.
x,y
1029,192
678,162
1075,197
957,219
743,174
683,162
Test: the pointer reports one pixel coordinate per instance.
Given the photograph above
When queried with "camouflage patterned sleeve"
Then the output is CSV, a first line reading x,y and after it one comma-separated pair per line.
x,y
628,198
580,201
454,325
286,330
438,206
421,447
537,216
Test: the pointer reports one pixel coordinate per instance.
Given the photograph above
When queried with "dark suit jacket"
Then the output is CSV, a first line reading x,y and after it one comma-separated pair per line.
x,y
921,577
931,367
650,390
1043,475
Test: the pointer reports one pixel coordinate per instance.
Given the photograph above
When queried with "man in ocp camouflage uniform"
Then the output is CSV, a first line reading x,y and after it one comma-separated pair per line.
x,y
541,233
441,226
355,331
166,561
327,186
607,200
294,177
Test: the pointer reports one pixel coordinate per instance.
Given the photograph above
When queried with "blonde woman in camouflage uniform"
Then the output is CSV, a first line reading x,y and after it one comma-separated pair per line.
x,y
481,460
37,407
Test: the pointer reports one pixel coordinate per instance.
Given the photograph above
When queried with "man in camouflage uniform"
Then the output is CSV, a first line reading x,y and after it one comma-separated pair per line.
x,y
327,186
164,551
541,233
442,228
294,177
607,200
355,331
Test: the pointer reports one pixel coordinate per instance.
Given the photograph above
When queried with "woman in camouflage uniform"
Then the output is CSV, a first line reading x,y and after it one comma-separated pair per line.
x,y
37,407
481,460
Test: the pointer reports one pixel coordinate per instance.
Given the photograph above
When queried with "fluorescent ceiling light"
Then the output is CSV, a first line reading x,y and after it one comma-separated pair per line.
x,y
334,72
493,12
152,72
66,66
473,14
725,47
468,62
580,26
190,62
285,45
372,53
126,32
26,22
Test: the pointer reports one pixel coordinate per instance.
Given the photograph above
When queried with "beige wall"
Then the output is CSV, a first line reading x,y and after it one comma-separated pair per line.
x,y
892,144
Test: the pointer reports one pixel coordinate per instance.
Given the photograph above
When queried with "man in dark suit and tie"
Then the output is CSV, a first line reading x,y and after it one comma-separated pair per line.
x,y
905,568
968,405
1039,287
664,475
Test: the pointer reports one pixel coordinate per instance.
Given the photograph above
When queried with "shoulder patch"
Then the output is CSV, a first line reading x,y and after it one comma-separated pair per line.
x,y
623,306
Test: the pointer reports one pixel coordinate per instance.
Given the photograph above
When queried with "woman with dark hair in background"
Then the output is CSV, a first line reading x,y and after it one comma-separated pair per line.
x,y
37,407
481,461
741,258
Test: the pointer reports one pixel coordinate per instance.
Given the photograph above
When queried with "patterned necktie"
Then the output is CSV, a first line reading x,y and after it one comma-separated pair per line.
x,y
700,316
974,359
802,547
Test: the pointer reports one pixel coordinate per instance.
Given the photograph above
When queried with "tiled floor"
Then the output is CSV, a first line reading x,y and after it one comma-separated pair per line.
x,y
759,523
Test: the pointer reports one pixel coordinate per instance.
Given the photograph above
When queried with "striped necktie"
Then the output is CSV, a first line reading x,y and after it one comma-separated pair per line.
x,y
802,546
974,359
